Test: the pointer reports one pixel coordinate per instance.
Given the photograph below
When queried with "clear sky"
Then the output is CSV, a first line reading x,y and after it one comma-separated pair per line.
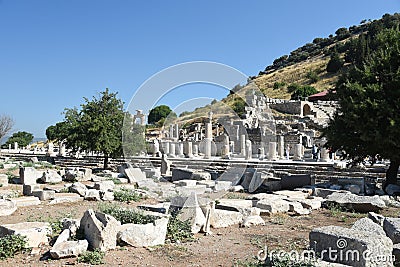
x,y
55,52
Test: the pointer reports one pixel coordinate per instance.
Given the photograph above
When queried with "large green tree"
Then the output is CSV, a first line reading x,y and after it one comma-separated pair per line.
x,y
97,126
59,131
158,113
368,120
22,138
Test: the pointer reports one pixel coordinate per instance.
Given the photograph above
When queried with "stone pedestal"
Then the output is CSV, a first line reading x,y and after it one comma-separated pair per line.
x,y
298,152
180,150
272,151
172,150
243,145
195,150
281,147
249,151
189,150
324,154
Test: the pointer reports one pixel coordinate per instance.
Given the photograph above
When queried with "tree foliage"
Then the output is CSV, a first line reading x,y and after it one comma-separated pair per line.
x,y
59,131
22,138
6,124
368,120
97,126
160,112
335,63
300,92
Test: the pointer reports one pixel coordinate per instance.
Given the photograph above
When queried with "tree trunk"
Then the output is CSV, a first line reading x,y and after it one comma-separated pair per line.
x,y
391,173
105,162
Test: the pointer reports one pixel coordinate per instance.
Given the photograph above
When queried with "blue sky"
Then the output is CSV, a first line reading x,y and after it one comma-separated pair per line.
x,y
53,52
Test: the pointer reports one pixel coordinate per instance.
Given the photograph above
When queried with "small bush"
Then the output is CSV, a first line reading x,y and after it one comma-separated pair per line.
x,y
313,76
125,195
178,230
116,180
127,215
95,257
278,85
1,166
12,244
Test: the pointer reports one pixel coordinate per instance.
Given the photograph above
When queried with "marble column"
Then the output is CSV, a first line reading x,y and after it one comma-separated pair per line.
x,y
261,154
180,150
243,145
226,148
195,150
189,150
281,147
15,146
272,151
208,140
172,149
298,152
249,151
324,154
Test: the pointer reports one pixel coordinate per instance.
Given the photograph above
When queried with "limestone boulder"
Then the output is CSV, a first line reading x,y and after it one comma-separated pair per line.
x,y
3,180
351,242
392,229
68,249
92,195
36,232
78,188
51,176
144,235
252,221
29,175
100,230
357,203
225,218
7,207
192,212
273,205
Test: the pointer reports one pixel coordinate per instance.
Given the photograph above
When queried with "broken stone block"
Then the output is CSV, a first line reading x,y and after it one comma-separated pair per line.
x,y
392,229
3,180
355,202
92,195
273,205
75,174
353,184
64,236
27,189
192,212
292,181
252,221
65,198
69,249
238,205
324,193
100,230
70,224
376,218
29,175
160,207
237,188
297,208
78,188
313,204
392,189
7,207
352,188
44,194
36,232
350,242
224,218
292,194
26,201
188,174
104,185
365,224
187,190
134,175
222,185
51,176
144,235
107,195
186,182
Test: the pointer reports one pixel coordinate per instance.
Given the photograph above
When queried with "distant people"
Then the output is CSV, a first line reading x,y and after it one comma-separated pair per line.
x,y
287,150
314,151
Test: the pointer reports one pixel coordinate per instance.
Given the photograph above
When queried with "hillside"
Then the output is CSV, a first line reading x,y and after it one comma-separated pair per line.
x,y
306,66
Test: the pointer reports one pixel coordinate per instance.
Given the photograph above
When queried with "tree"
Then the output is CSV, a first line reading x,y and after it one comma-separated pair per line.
x,y
335,63
97,126
6,124
301,92
158,113
367,123
59,131
22,138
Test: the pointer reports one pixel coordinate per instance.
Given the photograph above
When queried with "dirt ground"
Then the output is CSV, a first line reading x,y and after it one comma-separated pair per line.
x,y
232,246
